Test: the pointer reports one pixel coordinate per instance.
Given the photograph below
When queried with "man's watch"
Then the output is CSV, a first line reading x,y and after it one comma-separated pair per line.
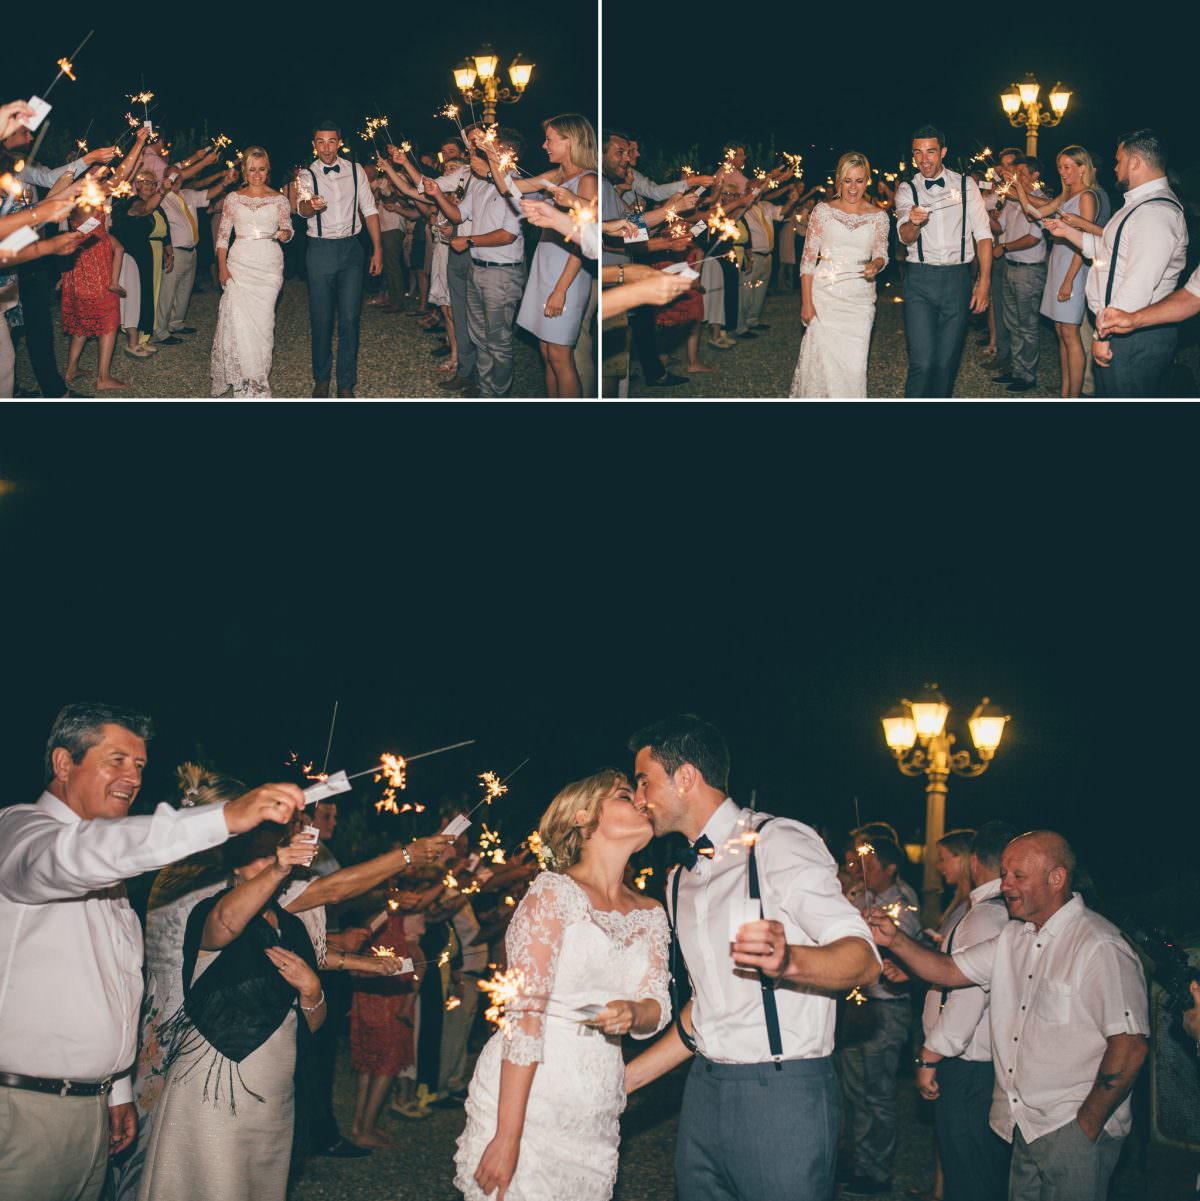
x,y
470,243
922,1064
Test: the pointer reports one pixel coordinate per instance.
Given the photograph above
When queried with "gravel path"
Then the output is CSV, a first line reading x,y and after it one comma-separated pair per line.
x,y
764,367
393,358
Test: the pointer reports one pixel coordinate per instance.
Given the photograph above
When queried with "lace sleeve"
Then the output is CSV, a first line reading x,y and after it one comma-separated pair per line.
x,y
533,943
655,985
223,230
285,216
812,241
882,229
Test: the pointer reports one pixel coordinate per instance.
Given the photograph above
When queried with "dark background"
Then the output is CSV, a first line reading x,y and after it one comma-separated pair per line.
x,y
545,579
266,73
829,78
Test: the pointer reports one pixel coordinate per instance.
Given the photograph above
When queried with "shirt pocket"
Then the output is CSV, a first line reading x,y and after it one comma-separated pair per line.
x,y
1053,1004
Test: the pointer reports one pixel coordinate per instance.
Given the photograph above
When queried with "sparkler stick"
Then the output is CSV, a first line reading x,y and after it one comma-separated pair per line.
x,y
329,743
66,66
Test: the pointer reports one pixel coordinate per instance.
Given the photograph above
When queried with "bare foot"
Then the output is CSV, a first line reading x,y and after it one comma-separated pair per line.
x,y
117,289
372,1138
110,384
700,369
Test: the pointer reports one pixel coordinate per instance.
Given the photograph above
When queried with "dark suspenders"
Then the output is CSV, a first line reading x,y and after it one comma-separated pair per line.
x,y
770,1009
353,212
962,237
1112,266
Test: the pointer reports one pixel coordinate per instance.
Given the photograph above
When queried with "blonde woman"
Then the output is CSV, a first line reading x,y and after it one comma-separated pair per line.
x,y
845,248
251,275
589,956
1066,275
560,279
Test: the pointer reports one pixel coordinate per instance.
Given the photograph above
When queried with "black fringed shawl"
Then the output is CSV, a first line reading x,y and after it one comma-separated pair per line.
x,y
239,1001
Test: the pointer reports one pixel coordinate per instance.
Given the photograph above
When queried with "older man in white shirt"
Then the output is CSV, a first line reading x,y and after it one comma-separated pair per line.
x,y
71,947
1136,262
941,218
761,1109
1069,1023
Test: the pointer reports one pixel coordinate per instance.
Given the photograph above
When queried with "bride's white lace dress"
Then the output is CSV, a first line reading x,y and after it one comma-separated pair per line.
x,y
571,956
245,338
833,355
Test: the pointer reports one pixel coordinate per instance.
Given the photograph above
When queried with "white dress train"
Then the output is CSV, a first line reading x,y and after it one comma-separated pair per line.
x,y
245,337
833,355
570,956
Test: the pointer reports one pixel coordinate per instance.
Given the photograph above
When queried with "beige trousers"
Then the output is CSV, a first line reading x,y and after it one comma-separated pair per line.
x,y
52,1148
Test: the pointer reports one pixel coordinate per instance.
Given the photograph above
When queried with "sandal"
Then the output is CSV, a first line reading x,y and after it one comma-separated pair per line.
x,y
449,367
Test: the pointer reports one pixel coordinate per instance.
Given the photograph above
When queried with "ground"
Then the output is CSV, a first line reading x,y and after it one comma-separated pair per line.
x,y
764,367
393,360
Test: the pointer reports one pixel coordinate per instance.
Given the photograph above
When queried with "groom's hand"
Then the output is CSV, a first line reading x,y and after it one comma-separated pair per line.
x,y
763,946
980,297
376,264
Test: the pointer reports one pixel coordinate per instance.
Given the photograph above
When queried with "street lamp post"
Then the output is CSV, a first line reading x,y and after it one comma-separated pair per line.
x,y
475,77
1022,107
923,722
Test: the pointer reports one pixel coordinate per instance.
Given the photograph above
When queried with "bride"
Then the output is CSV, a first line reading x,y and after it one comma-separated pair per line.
x,y
251,275
544,1104
846,248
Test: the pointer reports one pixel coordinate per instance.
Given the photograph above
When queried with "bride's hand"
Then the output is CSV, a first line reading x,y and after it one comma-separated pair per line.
x,y
616,1017
808,314
224,276
498,1165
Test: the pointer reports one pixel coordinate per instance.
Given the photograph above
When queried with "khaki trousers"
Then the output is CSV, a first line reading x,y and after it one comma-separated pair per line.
x,y
52,1148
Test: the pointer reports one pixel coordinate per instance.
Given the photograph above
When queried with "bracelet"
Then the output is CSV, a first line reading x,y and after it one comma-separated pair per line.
x,y
407,856
620,276
342,961
320,1002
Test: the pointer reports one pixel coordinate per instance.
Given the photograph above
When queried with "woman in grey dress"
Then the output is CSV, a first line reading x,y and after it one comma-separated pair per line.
x,y
560,279
1066,275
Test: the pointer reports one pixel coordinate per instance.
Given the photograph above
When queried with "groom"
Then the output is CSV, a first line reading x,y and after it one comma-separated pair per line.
x,y
761,1108
341,204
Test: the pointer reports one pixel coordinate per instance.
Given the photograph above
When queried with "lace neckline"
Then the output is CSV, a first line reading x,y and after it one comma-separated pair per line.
x,y
272,196
852,219
612,914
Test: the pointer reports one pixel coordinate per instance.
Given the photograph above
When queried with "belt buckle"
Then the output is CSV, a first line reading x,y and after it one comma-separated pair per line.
x,y
65,1091
106,1086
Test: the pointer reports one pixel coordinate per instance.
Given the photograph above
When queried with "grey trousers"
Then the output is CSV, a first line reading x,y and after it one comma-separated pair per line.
x,y
453,1073
997,295
975,1159
1022,302
937,303
752,294
867,1066
1064,1165
585,348
493,297
458,272
175,294
54,1148
1141,364
749,1132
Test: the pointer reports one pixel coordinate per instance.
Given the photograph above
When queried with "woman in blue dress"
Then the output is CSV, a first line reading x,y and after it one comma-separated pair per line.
x,y
1066,275
561,277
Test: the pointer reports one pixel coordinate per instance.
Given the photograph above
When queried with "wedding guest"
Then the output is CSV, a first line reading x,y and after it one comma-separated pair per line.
x,y
89,308
77,967
1174,309
760,219
1136,261
456,180
1023,248
145,235
997,347
392,226
948,225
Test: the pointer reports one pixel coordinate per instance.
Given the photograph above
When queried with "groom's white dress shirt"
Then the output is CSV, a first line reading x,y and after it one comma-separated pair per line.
x,y
799,886
70,943
1153,250
941,235
337,189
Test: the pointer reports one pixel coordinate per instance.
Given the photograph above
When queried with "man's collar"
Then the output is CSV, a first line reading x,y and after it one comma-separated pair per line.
x,y
1061,918
57,809
985,891
720,825
1151,186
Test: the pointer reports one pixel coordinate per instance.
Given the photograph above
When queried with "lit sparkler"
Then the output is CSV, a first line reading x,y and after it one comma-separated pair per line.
x,y
639,881
66,66
858,997
384,952
503,989
896,908
393,771
541,851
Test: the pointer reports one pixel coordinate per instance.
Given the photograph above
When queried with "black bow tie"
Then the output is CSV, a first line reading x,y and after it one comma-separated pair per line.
x,y
338,167
702,846
929,183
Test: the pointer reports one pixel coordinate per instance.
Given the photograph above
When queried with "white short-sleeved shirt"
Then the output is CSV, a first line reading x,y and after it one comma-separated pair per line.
x,y
1015,223
800,888
488,211
1057,994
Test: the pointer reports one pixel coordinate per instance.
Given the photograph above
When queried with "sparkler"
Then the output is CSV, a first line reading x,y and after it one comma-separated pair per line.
x,y
856,996
896,908
489,844
640,879
451,111
452,1003
66,66
502,989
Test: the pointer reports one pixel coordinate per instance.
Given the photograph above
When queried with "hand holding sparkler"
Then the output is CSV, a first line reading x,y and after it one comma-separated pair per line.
x,y
918,216
13,116
267,803
762,946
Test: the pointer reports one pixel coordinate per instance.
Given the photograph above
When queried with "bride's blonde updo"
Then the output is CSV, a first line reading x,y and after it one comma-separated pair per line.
x,y
255,152
851,159
560,833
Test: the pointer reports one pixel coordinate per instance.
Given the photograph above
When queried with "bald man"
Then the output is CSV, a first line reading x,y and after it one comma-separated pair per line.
x,y
1069,1022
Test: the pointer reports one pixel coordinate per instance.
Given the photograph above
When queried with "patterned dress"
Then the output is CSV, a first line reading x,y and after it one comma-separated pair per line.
x,y
89,309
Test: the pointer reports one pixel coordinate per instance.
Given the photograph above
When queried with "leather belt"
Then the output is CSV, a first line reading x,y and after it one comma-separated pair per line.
x,y
62,1088
1018,263
481,263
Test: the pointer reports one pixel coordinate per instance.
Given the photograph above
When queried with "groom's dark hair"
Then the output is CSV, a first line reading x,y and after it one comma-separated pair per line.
x,y
674,741
930,131
1148,146
327,125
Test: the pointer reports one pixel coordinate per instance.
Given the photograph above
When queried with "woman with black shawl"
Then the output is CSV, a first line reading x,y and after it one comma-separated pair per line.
x,y
224,1123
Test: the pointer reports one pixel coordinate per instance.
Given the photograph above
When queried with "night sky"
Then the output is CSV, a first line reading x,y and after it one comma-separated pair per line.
x,y
266,72
829,78
545,579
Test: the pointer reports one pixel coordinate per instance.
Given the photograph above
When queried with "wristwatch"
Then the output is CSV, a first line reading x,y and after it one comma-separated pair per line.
x,y
470,243
922,1064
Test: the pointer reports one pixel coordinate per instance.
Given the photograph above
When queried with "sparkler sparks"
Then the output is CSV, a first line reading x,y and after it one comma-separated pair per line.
x,y
502,990
856,996
493,786
896,908
541,851
489,844
639,881
452,1003
384,952
393,773
67,68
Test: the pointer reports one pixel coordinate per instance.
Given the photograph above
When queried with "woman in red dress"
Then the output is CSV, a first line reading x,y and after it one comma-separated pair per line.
x,y
89,309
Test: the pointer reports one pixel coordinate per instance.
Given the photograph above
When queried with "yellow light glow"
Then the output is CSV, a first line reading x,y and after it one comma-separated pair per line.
x,y
465,75
899,731
1029,90
1011,101
1059,99
987,727
520,72
929,716
486,62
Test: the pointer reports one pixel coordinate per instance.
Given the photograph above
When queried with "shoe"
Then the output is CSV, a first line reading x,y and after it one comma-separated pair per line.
x,y
345,394
720,345
459,383
1006,378
442,351
1021,385
866,1186
320,387
761,325
412,1111
748,334
137,352
169,340
344,1149
667,380
184,329
727,341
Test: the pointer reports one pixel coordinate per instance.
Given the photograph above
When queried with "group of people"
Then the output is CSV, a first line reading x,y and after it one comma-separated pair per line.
x,y
800,969
457,223
985,243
